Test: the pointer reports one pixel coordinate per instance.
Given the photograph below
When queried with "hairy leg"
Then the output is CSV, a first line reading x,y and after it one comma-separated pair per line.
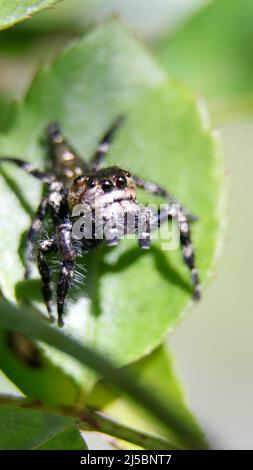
x,y
33,233
103,147
45,247
67,164
157,190
153,221
143,228
188,252
29,168
68,254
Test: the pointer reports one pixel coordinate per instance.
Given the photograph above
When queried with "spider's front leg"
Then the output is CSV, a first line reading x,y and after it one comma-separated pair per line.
x,y
68,254
43,176
151,221
104,144
45,247
38,219
112,229
143,228
33,233
188,252
157,190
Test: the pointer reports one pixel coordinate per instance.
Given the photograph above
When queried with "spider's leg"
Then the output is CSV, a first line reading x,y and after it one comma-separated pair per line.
x,y
157,190
67,164
153,221
113,229
33,233
103,147
188,252
29,168
185,242
45,247
143,227
68,254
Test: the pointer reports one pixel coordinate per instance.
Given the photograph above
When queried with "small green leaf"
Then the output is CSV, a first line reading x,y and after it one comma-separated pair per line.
x,y
128,300
14,11
156,370
70,439
22,429
212,52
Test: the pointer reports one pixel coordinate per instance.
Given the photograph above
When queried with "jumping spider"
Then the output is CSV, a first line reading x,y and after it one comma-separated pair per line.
x,y
73,181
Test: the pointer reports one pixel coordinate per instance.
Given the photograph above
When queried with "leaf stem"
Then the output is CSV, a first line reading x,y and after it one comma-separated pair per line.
x,y
88,419
106,425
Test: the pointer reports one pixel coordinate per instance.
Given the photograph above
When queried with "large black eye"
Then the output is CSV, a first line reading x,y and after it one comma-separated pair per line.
x,y
107,186
91,184
121,182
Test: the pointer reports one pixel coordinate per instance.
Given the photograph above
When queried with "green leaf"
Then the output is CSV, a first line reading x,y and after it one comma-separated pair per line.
x,y
70,439
117,309
168,418
32,429
156,369
14,11
212,53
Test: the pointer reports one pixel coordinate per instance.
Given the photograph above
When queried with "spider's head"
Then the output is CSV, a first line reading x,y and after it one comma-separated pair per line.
x,y
103,188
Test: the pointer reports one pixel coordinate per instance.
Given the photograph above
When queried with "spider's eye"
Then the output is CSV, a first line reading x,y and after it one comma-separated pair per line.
x,y
107,186
121,182
91,184
128,174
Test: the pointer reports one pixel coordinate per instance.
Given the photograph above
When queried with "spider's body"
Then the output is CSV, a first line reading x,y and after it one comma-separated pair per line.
x,y
108,196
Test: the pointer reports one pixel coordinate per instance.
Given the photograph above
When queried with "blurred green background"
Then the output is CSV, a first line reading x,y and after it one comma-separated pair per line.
x,y
213,346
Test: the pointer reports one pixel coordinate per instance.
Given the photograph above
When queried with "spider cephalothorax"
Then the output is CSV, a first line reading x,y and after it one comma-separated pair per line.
x,y
108,200
108,203
102,187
